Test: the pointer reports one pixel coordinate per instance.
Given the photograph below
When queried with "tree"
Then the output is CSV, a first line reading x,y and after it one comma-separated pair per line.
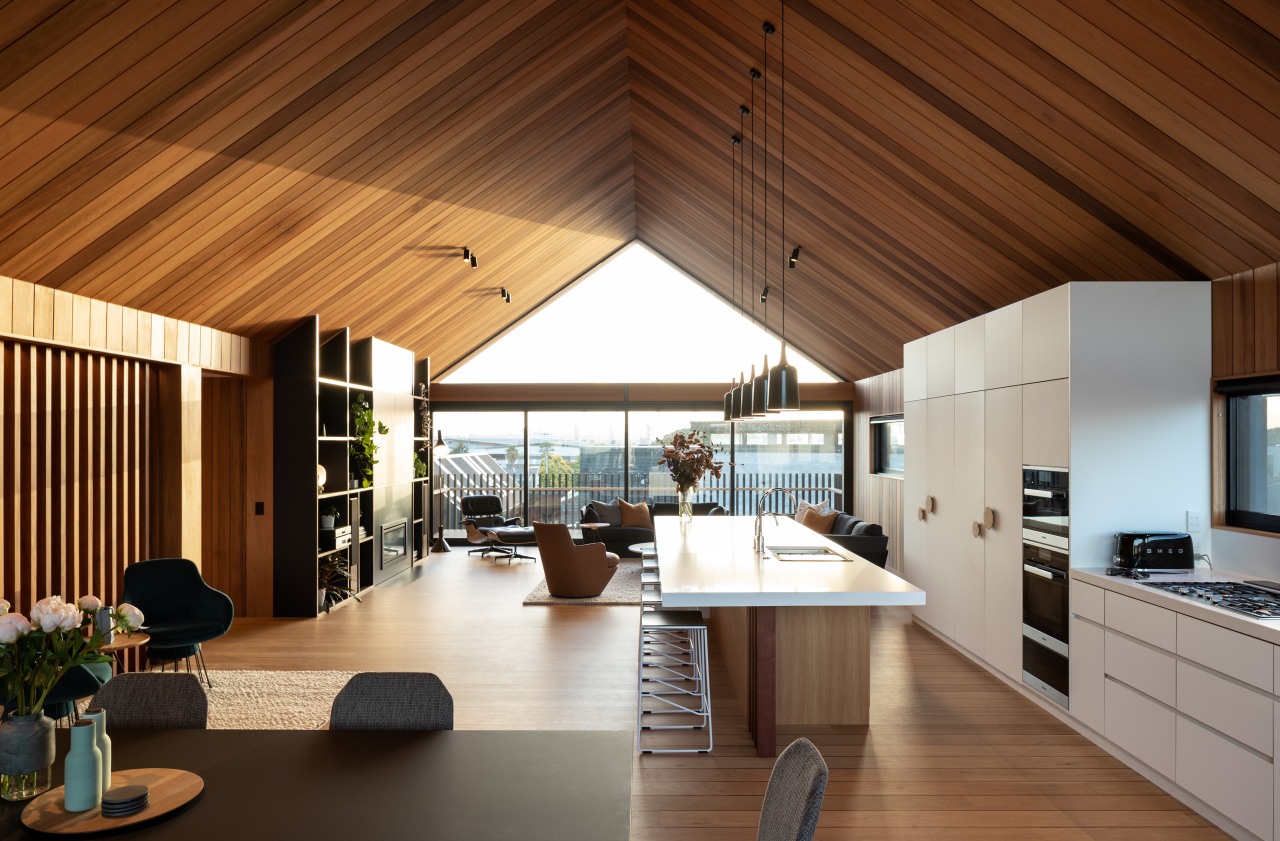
x,y
458,447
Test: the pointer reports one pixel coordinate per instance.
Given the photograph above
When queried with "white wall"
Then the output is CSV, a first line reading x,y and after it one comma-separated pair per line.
x,y
1139,440
1247,554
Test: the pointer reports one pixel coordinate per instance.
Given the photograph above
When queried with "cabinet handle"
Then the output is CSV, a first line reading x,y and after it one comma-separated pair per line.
x,y
977,529
920,514
928,504
989,518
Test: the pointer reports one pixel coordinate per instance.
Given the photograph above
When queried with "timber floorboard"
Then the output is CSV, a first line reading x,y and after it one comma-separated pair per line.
x,y
951,754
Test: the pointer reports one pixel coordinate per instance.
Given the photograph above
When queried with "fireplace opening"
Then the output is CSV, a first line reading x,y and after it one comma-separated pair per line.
x,y
395,542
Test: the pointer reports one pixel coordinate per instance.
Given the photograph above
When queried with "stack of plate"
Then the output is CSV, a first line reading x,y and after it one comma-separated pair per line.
x,y
123,801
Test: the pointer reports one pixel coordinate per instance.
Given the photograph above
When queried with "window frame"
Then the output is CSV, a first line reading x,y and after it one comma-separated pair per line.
x,y
1228,391
875,424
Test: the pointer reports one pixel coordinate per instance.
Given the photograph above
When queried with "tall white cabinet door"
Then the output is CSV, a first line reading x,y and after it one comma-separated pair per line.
x,y
939,561
1046,335
914,480
1003,541
1046,423
914,370
969,575
971,358
1003,349
941,359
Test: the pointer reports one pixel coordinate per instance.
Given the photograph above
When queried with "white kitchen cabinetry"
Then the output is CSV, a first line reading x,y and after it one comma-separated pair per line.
x,y
1192,700
1046,417
934,568
1046,335
1002,542
941,363
970,575
915,370
1002,336
970,356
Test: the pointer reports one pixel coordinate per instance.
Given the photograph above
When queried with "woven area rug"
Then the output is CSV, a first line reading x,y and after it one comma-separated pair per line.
x,y
624,588
249,700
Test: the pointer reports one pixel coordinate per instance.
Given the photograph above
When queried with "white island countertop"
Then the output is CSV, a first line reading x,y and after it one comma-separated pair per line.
x,y
710,562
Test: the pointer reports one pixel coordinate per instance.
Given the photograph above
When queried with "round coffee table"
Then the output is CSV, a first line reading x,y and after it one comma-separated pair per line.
x,y
643,548
123,642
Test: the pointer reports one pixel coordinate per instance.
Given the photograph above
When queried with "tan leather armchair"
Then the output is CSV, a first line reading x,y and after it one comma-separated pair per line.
x,y
573,572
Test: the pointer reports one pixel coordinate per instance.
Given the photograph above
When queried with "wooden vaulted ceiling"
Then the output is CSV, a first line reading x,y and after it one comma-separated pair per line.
x,y
244,163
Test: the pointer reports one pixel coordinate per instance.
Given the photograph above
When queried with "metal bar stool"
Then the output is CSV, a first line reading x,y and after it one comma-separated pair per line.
x,y
658,683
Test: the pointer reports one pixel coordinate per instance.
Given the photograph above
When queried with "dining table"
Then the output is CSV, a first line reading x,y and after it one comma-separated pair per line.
x,y
324,784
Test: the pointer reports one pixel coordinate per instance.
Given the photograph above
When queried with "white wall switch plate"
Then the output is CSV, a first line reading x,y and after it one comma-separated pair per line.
x,y
1194,523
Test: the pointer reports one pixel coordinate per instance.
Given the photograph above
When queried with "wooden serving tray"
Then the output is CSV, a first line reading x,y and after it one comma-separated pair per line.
x,y
170,789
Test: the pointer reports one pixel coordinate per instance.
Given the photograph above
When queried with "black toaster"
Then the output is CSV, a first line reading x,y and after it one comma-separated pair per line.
x,y
1163,551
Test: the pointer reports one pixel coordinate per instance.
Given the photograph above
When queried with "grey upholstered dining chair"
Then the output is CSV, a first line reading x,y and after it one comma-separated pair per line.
x,y
392,701
794,796
155,701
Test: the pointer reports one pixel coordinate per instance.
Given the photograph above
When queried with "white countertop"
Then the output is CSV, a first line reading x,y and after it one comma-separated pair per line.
x,y
1267,630
709,562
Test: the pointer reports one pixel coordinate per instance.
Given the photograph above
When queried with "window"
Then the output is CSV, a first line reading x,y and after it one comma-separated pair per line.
x,y
1253,452
888,446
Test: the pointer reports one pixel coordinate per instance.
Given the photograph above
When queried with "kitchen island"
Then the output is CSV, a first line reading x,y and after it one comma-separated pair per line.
x,y
794,634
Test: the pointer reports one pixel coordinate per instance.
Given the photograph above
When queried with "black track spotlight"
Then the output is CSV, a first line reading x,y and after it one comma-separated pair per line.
x,y
764,295
504,294
473,259
466,253
794,258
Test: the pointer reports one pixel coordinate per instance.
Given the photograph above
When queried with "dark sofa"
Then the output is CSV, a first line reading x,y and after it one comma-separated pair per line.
x,y
861,538
618,538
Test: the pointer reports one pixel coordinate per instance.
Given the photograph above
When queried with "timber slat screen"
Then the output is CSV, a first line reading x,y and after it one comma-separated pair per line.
x,y
78,476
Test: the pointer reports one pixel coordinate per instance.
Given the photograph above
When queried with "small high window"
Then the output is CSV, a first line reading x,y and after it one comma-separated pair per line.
x,y
1253,452
888,446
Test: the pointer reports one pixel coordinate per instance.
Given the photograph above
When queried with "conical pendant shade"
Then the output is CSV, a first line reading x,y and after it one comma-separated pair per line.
x,y
748,394
784,386
728,403
760,391
737,398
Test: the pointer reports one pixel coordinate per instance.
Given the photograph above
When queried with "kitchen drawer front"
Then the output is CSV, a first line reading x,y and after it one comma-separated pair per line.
x,y
1226,776
1146,669
1146,622
1141,726
1086,701
1227,707
1086,601
1239,656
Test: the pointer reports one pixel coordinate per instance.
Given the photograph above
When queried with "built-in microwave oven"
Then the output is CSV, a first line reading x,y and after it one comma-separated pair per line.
x,y
1046,500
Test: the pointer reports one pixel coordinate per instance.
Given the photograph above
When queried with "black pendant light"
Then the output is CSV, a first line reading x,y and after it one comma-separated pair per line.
x,y
760,383
733,248
784,384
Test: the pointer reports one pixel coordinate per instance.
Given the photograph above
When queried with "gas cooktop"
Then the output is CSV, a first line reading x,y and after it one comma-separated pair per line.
x,y
1260,602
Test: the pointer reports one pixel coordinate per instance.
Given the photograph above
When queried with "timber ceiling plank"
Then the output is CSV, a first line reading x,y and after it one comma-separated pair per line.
x,y
242,164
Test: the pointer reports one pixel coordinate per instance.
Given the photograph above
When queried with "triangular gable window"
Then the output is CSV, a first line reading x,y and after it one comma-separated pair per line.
x,y
633,319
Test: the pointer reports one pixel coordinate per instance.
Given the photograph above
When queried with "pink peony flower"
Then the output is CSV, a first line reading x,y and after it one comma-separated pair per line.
x,y
12,626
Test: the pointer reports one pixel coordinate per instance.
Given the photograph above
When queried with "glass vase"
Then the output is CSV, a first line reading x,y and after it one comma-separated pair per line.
x,y
26,755
686,502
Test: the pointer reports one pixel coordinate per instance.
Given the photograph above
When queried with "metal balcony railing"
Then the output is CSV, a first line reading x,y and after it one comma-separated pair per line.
x,y
560,498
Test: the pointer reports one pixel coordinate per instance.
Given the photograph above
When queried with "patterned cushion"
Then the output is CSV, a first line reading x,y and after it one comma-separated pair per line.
x,y
818,508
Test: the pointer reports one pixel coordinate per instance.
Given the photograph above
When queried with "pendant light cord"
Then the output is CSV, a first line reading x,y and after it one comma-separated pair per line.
x,y
755,74
764,44
782,153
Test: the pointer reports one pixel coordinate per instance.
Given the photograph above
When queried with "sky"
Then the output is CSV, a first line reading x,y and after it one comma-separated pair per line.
x,y
635,318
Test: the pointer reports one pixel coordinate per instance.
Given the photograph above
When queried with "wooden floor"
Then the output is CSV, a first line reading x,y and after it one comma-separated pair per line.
x,y
952,753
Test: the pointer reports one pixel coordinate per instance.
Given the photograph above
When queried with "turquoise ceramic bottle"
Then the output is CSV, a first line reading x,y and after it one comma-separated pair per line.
x,y
82,771
99,717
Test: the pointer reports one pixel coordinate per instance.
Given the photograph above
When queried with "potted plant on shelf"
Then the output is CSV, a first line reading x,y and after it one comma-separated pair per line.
x,y
335,581
363,448
329,517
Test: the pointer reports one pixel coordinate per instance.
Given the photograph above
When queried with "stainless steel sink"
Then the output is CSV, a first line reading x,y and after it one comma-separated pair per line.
x,y
804,553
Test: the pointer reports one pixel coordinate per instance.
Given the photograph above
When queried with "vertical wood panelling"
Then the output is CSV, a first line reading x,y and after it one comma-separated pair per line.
x,y
224,464
1246,318
877,499
74,512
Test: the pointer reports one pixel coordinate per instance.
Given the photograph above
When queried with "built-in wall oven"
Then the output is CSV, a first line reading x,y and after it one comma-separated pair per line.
x,y
1045,577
